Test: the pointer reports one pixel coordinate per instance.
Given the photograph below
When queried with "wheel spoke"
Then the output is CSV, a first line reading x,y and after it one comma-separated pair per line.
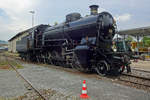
x,y
101,68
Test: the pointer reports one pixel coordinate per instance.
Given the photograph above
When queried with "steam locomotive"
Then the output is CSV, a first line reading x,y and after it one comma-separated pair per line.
x,y
83,43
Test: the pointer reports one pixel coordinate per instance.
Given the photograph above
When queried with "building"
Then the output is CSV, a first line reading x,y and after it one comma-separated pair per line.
x,y
13,40
138,33
19,36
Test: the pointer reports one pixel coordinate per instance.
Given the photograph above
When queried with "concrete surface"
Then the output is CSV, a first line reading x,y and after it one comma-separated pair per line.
x,y
71,84
10,84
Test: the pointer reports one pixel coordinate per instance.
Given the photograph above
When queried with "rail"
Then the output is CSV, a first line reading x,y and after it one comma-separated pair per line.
x,y
139,79
22,77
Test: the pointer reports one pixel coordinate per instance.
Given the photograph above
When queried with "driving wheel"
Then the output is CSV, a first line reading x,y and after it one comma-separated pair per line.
x,y
102,68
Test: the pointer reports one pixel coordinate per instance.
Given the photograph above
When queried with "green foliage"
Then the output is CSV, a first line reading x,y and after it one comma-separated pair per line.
x,y
129,38
12,98
18,66
55,23
146,41
5,64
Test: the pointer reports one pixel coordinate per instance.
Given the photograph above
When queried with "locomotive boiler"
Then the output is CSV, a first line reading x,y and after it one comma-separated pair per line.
x,y
83,43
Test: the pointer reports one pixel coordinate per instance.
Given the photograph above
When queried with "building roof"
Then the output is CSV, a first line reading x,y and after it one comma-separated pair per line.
x,y
20,33
142,31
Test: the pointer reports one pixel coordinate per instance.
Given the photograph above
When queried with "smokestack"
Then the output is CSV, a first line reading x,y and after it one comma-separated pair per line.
x,y
94,9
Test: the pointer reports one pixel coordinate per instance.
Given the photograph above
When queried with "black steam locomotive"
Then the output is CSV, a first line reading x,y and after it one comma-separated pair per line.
x,y
84,43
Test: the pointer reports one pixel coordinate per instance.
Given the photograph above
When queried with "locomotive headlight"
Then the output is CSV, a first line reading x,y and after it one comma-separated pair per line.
x,y
110,31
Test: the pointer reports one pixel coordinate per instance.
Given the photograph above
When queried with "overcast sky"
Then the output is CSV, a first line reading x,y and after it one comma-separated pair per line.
x,y
15,16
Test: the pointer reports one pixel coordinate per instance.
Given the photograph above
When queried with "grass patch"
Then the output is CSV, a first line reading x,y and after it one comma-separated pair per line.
x,y
13,98
5,65
18,66
2,98
11,54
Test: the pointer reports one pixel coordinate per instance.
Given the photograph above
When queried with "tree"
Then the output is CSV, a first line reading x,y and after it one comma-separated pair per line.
x,y
146,41
55,23
129,38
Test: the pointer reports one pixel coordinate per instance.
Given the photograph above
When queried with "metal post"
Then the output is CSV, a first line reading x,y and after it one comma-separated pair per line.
x,y
143,40
124,36
137,44
117,37
143,37
32,12
124,42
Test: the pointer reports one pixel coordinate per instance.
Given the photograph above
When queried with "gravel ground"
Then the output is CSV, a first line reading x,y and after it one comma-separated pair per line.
x,y
10,84
141,65
141,73
144,65
68,83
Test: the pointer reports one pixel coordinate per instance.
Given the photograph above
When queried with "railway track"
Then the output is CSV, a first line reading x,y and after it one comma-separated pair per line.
x,y
134,79
140,70
139,81
30,86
